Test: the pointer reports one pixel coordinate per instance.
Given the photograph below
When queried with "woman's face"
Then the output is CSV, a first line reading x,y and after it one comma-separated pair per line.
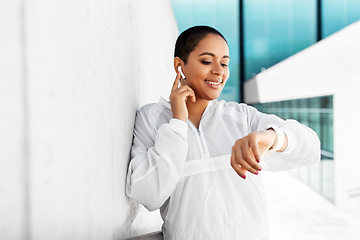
x,y
207,68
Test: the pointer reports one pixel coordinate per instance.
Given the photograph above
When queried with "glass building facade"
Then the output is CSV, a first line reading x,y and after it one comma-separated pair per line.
x,y
261,33
337,14
275,30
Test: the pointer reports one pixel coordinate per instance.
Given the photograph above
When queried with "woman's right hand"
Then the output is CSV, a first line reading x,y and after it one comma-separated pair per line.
x,y
178,98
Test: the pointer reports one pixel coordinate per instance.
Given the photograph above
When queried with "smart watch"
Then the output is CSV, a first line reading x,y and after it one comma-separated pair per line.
x,y
280,137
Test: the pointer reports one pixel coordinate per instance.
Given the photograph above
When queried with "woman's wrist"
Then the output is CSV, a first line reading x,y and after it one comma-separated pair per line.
x,y
280,142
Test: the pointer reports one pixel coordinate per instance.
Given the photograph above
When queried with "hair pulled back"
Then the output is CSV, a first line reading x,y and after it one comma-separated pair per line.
x,y
189,39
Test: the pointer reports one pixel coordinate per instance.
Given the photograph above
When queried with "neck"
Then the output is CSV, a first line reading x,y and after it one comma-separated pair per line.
x,y
196,110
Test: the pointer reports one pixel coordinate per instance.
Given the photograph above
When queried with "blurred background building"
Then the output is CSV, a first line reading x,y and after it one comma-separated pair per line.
x,y
73,74
262,34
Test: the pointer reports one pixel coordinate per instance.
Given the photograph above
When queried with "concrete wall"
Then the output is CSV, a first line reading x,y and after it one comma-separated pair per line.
x,y
72,74
330,67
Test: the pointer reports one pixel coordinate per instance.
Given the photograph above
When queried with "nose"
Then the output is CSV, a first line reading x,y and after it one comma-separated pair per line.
x,y
217,69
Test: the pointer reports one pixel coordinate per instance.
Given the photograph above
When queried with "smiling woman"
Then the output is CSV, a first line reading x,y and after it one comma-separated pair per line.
x,y
205,66
206,71
190,156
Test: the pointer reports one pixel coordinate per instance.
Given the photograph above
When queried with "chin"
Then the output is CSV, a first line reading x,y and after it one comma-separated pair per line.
x,y
212,97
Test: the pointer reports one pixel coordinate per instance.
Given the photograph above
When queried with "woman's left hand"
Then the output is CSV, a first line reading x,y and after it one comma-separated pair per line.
x,y
247,151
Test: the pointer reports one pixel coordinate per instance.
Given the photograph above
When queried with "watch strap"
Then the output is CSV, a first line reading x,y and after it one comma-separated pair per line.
x,y
280,137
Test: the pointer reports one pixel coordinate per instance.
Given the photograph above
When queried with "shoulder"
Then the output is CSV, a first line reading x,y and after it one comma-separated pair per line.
x,y
234,107
147,108
154,114
153,109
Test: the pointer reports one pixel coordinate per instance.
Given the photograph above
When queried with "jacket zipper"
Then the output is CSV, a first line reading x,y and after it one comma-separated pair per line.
x,y
200,139
205,152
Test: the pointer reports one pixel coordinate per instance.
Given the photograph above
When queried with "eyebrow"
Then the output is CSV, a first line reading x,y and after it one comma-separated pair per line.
x,y
213,55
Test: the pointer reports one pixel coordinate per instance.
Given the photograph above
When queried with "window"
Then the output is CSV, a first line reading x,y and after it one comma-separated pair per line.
x,y
317,113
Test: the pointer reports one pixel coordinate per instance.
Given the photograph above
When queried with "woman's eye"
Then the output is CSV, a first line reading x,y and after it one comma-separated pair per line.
x,y
206,62
224,65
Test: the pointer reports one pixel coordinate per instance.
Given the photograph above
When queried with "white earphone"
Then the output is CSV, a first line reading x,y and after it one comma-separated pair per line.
x,y
182,74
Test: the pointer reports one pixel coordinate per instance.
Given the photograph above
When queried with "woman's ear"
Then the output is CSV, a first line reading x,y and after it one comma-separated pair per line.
x,y
178,62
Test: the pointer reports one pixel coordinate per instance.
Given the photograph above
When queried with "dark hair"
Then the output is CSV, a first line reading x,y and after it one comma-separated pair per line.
x,y
189,39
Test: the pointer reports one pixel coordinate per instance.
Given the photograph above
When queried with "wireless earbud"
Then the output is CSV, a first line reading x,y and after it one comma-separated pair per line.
x,y
182,74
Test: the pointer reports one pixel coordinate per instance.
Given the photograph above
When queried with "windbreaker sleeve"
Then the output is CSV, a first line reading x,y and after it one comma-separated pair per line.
x,y
303,143
157,160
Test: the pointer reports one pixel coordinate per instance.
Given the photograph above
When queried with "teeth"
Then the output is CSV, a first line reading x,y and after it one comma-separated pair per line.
x,y
212,83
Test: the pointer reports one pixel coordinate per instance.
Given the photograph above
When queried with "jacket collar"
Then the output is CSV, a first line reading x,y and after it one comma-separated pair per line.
x,y
166,104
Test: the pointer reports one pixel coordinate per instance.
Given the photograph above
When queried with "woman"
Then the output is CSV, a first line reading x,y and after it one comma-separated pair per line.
x,y
185,152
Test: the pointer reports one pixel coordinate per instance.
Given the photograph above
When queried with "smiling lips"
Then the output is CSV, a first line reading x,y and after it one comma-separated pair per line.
x,y
213,84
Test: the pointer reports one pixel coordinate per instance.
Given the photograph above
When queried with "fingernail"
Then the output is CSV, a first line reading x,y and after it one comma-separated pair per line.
x,y
256,173
259,169
243,177
257,160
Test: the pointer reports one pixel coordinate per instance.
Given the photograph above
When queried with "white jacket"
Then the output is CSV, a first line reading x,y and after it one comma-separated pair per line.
x,y
186,171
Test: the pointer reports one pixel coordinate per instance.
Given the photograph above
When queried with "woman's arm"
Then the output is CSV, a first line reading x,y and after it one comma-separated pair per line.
x,y
303,148
157,161
301,145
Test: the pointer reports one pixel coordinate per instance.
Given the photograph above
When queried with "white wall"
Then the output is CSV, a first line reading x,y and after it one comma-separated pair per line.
x,y
330,67
13,194
72,74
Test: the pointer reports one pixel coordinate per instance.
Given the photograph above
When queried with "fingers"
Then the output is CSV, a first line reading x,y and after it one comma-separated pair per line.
x,y
178,98
246,154
176,82
255,150
238,169
248,162
188,93
185,92
245,157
